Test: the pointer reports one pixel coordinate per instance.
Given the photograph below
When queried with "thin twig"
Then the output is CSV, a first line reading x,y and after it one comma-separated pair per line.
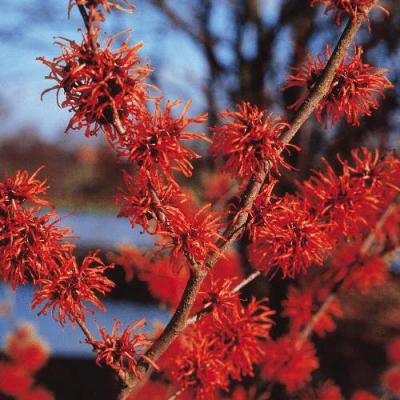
x,y
207,307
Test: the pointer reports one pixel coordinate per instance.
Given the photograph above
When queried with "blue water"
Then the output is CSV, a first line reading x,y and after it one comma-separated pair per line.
x,y
103,230
94,230
67,342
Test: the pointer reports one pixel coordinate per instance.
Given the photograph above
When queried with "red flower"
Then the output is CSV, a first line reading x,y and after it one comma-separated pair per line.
x,y
66,290
289,365
348,201
349,7
241,333
199,368
155,140
137,202
30,246
329,391
14,379
291,239
353,93
302,304
249,138
121,351
391,379
99,85
363,395
192,235
21,187
393,350
26,349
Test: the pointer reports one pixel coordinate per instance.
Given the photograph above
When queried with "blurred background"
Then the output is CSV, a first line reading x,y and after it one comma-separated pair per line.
x,y
217,53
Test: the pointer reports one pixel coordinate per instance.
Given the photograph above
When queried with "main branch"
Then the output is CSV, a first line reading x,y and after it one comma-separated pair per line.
x,y
241,219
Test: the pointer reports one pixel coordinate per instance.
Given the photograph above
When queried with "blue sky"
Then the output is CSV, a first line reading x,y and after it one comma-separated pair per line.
x,y
27,32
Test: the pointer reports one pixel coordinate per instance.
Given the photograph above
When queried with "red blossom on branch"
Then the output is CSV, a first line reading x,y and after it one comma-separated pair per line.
x,y
100,85
289,365
30,246
21,187
291,240
121,5
137,202
121,350
349,7
354,91
66,290
302,304
155,140
247,138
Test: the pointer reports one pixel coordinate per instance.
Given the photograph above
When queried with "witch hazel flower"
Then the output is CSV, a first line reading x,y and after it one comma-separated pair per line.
x,y
65,292
101,85
155,141
120,5
122,350
247,139
354,91
351,8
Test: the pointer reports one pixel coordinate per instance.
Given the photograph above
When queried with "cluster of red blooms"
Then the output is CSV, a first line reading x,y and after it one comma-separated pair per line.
x,y
248,138
354,91
26,354
349,7
166,281
121,351
34,249
296,231
223,345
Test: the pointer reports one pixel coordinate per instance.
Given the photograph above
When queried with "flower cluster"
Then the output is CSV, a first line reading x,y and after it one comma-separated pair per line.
x,y
65,290
154,140
34,249
223,345
156,205
31,244
101,86
289,364
249,138
349,7
121,350
291,239
353,93
26,354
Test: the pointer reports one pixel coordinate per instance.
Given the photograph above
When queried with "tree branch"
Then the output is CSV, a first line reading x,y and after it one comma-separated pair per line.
x,y
364,249
239,222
